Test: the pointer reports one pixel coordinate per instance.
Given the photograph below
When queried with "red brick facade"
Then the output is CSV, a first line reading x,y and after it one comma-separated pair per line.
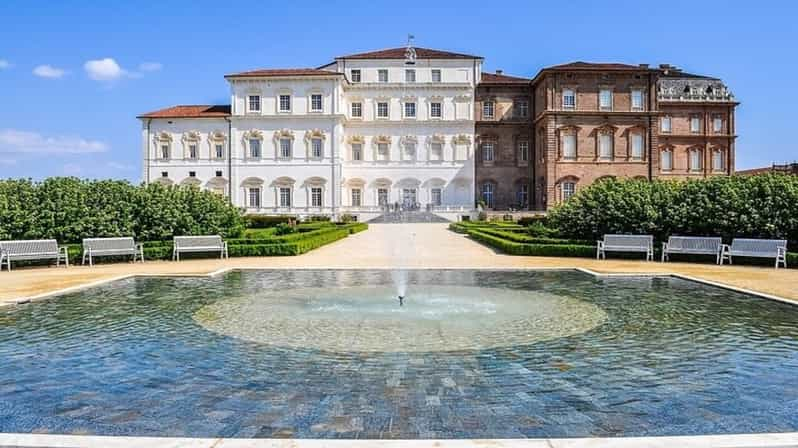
x,y
591,121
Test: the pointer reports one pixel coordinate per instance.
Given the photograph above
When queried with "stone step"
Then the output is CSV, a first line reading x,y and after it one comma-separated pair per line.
x,y
416,216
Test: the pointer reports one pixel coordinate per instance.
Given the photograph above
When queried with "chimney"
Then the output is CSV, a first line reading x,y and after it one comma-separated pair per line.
x,y
499,72
644,66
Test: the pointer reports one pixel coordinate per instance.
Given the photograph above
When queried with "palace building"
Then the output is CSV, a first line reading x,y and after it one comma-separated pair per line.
x,y
423,128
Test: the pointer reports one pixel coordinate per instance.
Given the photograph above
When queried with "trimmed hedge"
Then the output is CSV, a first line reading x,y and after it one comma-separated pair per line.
x,y
525,238
268,221
541,250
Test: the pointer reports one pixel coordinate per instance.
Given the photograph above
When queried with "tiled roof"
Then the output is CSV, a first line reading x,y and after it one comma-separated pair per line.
x,y
580,65
190,111
399,53
279,72
496,78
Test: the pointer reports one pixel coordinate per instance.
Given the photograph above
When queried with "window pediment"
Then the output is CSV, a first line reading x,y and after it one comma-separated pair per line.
x,y
568,129
163,137
377,139
283,133
315,133
253,134
356,139
606,129
409,139
462,139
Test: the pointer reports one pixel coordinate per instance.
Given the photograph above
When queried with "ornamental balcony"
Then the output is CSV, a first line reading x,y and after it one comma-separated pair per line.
x,y
693,90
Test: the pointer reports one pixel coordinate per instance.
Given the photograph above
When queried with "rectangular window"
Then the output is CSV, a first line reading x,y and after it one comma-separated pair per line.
x,y
717,125
568,99
665,125
164,152
436,75
357,151
254,197
605,99
488,108
218,174
410,75
355,75
219,151
523,151
382,110
522,196
487,194
254,103
315,197
357,110
315,148
285,197
637,146
487,152
315,103
435,196
382,196
569,146
436,152
382,75
435,110
637,100
605,146
382,152
164,174
254,148
717,161
285,148
356,197
192,151
522,108
285,103
695,125
667,160
695,160
192,174
568,190
410,110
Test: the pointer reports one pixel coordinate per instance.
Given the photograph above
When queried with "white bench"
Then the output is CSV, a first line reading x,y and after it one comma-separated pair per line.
x,y
626,243
106,247
694,245
749,247
207,243
21,250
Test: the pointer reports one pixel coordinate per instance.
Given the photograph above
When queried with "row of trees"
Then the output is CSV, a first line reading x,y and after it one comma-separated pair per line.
x,y
69,209
763,206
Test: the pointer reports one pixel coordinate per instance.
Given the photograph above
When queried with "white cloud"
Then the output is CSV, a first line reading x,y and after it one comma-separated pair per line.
x,y
16,141
48,71
4,64
150,66
104,70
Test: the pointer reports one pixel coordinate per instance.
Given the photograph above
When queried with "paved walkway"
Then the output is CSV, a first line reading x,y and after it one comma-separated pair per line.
x,y
391,246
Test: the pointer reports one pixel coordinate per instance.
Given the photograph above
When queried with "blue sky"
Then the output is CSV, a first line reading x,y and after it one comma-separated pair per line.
x,y
73,75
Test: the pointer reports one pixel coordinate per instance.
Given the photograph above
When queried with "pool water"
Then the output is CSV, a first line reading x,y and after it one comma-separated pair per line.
x,y
331,354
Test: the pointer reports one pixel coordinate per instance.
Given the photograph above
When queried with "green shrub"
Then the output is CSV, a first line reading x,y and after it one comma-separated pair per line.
x,y
542,250
764,206
318,218
347,218
69,209
258,233
284,229
267,221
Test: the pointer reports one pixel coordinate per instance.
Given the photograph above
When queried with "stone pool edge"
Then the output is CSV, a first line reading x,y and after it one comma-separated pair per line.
x,y
51,294
773,440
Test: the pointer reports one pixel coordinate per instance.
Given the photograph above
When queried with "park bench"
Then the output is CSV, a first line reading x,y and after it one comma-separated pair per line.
x,y
21,250
694,245
106,247
625,243
207,243
749,247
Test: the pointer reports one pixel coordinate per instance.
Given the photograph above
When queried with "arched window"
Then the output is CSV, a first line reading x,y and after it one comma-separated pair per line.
x,y
253,192
566,187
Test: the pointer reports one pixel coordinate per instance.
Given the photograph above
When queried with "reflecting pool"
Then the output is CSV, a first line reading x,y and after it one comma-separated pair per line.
x,y
332,354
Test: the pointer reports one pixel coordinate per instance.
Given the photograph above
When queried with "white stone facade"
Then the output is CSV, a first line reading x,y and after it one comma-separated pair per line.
x,y
339,139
